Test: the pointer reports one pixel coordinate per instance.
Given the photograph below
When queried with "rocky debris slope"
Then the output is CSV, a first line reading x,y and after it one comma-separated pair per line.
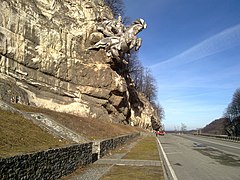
x,y
45,62
47,123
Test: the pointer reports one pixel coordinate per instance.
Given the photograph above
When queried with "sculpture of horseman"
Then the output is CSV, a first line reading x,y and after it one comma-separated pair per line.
x,y
119,40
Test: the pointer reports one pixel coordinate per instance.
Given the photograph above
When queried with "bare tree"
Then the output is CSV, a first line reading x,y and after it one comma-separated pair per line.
x,y
183,127
143,79
136,70
160,111
236,102
233,109
149,86
117,7
127,20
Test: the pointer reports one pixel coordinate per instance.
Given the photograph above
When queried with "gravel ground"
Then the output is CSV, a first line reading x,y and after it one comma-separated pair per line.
x,y
94,173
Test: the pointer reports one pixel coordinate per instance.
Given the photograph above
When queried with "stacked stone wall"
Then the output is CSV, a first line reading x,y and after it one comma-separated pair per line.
x,y
55,163
109,144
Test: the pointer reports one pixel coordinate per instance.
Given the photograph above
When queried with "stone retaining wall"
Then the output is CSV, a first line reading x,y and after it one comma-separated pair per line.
x,y
109,144
50,164
55,163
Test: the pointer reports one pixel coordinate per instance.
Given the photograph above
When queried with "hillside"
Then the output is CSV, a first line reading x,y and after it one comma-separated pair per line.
x,y
89,128
217,127
20,135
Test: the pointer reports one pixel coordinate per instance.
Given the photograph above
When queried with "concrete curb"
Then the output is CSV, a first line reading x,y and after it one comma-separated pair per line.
x,y
169,172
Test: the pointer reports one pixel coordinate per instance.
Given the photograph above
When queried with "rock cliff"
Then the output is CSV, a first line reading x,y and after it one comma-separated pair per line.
x,y
44,62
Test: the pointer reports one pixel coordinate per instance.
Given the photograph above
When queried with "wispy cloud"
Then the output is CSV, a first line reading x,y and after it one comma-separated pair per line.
x,y
222,41
197,93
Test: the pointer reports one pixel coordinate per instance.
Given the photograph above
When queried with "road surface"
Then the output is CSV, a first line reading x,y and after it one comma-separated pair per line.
x,y
200,158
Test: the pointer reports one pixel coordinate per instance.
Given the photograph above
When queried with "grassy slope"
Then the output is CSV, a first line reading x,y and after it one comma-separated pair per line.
x,y
19,135
87,127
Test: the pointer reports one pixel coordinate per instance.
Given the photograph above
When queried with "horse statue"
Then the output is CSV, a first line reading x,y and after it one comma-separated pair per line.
x,y
118,39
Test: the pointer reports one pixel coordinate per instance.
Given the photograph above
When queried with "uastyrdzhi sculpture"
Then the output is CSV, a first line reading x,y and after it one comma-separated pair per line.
x,y
119,40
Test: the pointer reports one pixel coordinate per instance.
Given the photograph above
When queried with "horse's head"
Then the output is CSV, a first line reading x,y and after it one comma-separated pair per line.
x,y
141,22
137,26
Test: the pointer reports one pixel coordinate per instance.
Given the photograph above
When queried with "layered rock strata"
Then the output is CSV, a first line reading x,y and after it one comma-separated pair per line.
x,y
43,54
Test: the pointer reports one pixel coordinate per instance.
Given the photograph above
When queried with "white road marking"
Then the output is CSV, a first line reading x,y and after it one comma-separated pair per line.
x,y
168,164
174,153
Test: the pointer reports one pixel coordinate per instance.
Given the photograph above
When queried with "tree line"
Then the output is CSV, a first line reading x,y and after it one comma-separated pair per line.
x,y
144,82
233,110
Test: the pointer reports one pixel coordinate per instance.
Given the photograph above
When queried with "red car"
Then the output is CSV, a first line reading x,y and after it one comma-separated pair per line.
x,y
160,133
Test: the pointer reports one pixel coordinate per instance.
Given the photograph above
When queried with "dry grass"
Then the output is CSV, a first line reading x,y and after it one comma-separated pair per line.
x,y
87,127
146,149
134,173
19,135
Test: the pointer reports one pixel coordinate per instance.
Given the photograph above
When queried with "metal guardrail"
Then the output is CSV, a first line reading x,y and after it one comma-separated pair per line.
x,y
222,137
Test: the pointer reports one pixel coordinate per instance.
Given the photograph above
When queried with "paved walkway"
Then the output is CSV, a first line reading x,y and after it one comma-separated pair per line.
x,y
96,170
129,162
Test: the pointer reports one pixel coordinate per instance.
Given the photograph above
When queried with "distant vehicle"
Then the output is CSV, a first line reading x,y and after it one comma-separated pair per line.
x,y
160,133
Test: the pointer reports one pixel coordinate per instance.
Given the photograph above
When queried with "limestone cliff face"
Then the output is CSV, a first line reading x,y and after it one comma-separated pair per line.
x,y
43,53
146,116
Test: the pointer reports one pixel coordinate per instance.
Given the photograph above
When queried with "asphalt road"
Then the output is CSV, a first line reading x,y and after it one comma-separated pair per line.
x,y
203,158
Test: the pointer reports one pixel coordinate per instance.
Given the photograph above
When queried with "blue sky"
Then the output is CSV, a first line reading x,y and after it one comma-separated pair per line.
x,y
193,50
